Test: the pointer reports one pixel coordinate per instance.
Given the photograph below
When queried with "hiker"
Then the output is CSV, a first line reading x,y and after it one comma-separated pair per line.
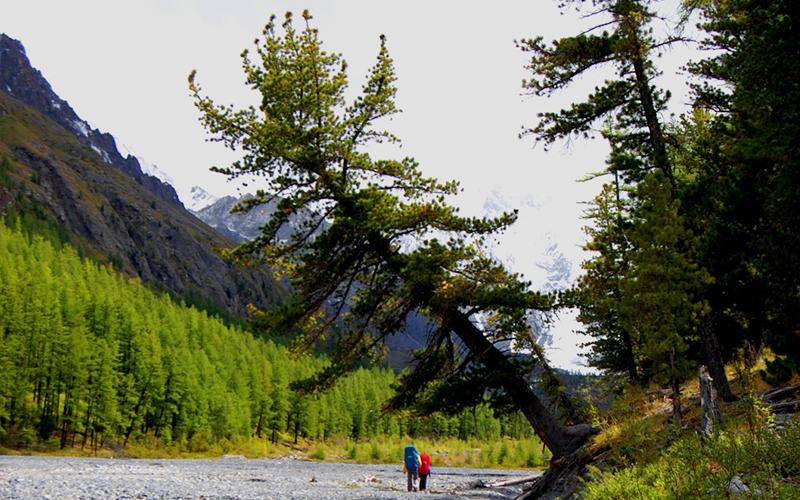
x,y
424,471
410,466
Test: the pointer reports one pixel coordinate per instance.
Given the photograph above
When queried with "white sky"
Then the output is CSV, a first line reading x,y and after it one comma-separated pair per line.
x,y
123,67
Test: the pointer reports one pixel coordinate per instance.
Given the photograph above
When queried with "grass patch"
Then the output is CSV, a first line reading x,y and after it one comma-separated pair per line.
x,y
767,461
504,452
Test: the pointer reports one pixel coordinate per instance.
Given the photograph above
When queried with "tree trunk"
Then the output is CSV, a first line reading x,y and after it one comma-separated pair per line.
x,y
559,439
713,355
656,134
260,424
627,342
134,415
709,405
630,358
66,421
676,388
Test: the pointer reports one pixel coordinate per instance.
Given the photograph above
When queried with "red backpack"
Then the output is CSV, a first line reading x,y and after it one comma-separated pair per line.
x,y
425,467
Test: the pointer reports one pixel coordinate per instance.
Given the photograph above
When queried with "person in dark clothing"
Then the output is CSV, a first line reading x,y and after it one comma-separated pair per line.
x,y
411,466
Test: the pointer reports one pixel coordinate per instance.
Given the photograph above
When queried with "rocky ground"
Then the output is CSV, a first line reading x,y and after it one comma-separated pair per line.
x,y
232,477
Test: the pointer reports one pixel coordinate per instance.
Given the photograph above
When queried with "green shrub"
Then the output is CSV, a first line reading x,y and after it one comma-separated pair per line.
x,y
767,461
319,452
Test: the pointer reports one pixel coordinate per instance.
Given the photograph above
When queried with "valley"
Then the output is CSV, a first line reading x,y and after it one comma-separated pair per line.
x,y
379,263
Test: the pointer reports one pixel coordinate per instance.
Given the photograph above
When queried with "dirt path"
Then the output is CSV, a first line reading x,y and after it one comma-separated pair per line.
x,y
66,477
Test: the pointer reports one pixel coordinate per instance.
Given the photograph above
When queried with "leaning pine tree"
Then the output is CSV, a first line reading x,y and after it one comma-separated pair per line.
x,y
353,273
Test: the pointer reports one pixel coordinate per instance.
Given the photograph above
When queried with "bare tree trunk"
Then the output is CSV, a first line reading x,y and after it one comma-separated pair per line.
x,y
559,439
260,423
713,355
709,404
134,415
676,389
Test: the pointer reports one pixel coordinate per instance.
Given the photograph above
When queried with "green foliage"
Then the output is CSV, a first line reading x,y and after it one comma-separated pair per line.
x,y
660,306
697,228
598,293
748,170
638,298
767,461
628,103
92,359
309,146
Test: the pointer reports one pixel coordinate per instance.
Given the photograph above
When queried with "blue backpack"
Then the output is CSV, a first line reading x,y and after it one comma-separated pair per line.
x,y
411,458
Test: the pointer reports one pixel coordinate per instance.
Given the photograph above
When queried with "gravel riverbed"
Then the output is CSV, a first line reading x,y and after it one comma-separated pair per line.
x,y
232,477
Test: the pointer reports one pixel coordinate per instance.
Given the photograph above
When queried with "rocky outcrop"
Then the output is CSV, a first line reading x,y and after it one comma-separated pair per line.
x,y
240,226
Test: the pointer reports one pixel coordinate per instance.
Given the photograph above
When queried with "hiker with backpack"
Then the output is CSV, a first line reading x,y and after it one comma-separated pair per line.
x,y
424,471
411,464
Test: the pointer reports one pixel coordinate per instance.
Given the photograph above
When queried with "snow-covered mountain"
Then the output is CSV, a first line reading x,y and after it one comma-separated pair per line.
x,y
239,227
245,226
198,199
147,167
529,247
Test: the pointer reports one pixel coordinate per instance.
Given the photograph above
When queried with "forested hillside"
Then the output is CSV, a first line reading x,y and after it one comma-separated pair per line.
x,y
90,358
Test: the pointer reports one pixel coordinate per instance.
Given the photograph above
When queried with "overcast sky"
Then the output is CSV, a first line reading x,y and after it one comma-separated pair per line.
x,y
123,67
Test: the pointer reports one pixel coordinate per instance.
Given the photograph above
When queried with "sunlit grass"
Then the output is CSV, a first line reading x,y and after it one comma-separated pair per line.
x,y
500,453
767,461
504,452
646,455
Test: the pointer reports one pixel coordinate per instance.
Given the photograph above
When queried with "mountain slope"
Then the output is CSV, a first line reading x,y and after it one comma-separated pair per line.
x,y
105,203
239,226
21,80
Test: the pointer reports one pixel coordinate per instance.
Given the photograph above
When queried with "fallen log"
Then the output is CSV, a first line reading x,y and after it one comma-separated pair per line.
x,y
512,482
786,407
778,394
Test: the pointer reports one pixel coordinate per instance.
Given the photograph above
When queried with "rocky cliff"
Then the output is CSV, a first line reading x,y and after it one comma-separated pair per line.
x,y
25,83
60,169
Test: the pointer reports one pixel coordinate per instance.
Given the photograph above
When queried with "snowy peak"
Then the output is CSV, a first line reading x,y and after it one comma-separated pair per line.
x,y
558,269
147,167
496,203
198,199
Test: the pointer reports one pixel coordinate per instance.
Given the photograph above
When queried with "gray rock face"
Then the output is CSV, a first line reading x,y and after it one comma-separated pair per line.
x,y
242,226
61,477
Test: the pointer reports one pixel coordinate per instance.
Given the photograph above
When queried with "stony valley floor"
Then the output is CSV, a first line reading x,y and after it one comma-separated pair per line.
x,y
232,478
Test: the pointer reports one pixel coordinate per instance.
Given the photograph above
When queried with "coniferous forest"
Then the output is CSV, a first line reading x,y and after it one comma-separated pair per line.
x,y
92,359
